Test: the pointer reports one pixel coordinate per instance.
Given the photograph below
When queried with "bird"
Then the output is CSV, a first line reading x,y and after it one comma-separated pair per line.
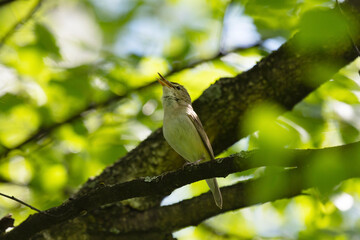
x,y
184,132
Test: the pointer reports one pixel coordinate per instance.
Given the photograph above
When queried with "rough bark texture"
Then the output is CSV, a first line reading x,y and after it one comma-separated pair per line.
x,y
284,77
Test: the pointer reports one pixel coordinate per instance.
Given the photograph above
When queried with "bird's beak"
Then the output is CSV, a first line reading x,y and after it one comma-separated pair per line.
x,y
164,82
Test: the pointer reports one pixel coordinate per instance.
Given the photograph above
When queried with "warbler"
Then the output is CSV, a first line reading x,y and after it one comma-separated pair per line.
x,y
183,130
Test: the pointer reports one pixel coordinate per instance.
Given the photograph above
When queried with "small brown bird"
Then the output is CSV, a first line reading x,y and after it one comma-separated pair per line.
x,y
183,130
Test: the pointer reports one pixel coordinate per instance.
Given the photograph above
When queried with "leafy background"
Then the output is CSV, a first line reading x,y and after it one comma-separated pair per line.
x,y
77,79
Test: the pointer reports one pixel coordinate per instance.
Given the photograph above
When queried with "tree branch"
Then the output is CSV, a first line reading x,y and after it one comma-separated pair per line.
x,y
166,183
21,202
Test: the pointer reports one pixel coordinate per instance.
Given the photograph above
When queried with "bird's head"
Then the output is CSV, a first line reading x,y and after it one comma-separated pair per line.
x,y
174,93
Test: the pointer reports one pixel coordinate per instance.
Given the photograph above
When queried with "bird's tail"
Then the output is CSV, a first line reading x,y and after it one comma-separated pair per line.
x,y
214,187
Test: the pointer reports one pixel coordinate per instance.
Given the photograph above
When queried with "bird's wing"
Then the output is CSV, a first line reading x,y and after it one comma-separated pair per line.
x,y
200,129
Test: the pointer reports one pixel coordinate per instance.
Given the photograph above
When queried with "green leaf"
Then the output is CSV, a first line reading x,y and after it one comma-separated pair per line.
x,y
9,100
317,26
46,41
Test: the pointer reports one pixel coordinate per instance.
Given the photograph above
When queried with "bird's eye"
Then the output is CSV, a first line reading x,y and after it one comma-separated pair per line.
x,y
177,87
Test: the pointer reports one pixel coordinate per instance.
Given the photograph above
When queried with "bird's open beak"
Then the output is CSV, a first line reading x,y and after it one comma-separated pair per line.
x,y
164,82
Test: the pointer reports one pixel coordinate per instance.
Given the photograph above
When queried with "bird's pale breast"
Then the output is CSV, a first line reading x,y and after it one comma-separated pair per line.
x,y
183,137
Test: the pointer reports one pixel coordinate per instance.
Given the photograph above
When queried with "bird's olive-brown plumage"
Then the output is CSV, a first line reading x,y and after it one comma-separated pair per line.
x,y
183,130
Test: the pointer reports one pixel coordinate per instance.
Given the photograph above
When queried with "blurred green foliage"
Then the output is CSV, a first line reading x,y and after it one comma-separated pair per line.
x,y
72,56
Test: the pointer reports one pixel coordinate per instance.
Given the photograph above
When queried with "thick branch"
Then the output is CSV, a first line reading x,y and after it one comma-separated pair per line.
x,y
164,184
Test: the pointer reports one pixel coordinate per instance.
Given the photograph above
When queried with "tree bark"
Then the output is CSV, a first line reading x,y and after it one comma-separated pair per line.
x,y
286,76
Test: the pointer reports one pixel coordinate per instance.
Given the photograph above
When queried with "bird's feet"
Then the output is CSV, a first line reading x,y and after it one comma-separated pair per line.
x,y
197,162
188,164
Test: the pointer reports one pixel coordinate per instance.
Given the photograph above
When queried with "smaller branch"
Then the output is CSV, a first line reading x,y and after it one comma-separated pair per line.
x,y
21,202
220,54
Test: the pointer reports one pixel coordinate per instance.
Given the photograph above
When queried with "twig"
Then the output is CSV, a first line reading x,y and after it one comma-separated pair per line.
x,y
21,202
